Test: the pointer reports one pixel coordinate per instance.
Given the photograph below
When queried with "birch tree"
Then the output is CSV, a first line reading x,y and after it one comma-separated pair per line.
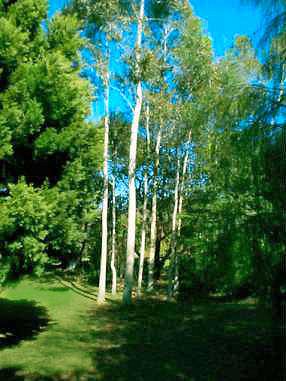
x,y
113,249
145,204
128,285
101,20
153,228
104,218
173,254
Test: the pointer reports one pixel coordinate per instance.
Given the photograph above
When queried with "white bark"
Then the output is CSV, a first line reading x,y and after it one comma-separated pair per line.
x,y
113,249
153,230
143,237
282,83
104,234
180,209
173,255
183,181
144,217
129,270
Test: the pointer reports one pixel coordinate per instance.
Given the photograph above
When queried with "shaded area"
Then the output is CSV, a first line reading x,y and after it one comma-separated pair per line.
x,y
156,340
20,320
78,290
10,374
17,374
150,340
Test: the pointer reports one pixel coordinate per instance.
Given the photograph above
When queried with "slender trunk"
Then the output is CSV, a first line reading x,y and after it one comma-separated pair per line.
x,y
180,208
173,256
104,234
129,269
157,264
113,250
183,182
144,221
153,230
282,82
143,237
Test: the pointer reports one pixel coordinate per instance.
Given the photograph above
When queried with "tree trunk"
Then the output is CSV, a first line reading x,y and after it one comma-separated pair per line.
x,y
129,269
180,209
144,219
173,256
153,229
157,270
104,234
182,186
113,250
143,237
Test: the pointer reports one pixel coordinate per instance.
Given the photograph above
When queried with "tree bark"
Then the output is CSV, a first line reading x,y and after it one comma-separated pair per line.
x,y
113,249
180,209
157,264
104,234
144,218
183,182
153,229
129,269
143,237
173,256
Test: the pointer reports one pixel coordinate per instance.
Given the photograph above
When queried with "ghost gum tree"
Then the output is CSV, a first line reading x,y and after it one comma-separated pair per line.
x,y
101,21
198,181
166,62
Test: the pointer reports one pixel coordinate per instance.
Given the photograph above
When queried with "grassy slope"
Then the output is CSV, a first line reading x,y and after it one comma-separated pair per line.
x,y
51,333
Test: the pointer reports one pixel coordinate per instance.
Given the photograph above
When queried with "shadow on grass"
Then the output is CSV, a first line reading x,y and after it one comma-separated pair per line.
x,y
16,374
20,320
10,374
155,340
174,342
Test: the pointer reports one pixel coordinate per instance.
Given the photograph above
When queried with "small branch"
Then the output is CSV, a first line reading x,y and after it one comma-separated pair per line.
x,y
124,97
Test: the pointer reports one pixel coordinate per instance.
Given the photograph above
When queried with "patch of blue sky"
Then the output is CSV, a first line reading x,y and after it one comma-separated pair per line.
x,y
222,20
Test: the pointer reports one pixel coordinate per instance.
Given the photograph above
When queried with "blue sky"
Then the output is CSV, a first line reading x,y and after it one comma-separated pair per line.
x,y
223,20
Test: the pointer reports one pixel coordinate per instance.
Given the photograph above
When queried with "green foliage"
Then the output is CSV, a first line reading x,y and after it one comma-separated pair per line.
x,y
12,44
28,14
24,228
64,35
45,140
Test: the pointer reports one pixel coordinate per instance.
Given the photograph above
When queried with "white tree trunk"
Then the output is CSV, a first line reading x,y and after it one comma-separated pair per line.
x,y
104,234
143,237
144,217
180,209
129,270
153,230
173,255
183,181
113,249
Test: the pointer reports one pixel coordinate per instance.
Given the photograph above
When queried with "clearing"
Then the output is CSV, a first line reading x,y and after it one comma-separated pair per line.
x,y
50,332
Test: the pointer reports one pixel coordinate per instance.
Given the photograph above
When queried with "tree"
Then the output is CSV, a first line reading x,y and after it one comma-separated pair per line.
x,y
101,21
127,294
44,103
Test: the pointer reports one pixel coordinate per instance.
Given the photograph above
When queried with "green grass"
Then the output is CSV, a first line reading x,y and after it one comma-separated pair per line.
x,y
49,332
57,348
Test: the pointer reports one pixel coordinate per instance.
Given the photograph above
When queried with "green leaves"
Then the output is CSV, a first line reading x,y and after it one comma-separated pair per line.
x,y
12,44
44,139
63,35
24,217
28,14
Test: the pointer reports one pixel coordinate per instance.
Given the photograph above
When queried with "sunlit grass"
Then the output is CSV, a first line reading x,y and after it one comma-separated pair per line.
x,y
66,336
59,348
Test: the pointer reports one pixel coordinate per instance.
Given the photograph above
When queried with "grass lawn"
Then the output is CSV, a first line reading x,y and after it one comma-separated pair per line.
x,y
50,332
